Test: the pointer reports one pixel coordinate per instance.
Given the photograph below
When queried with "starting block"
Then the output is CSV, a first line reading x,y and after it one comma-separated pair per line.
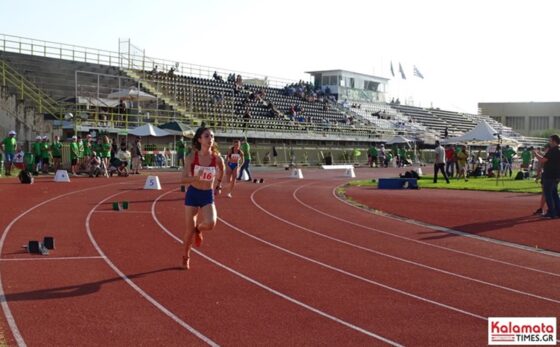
x,y
152,182
296,173
255,180
36,247
61,176
120,206
182,189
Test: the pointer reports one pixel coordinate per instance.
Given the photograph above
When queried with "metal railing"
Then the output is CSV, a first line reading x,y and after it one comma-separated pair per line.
x,y
128,57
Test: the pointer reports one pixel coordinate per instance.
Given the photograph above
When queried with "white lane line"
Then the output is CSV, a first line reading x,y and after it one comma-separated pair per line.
x,y
146,296
121,212
426,243
270,290
46,258
5,307
449,230
406,261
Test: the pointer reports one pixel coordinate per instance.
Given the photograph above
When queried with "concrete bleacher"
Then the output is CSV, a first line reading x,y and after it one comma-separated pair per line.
x,y
424,117
457,121
57,77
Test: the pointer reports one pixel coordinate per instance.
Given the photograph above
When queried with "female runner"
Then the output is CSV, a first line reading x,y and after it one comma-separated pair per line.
x,y
203,172
234,160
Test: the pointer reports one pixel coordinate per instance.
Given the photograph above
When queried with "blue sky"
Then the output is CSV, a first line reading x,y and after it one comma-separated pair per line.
x,y
469,51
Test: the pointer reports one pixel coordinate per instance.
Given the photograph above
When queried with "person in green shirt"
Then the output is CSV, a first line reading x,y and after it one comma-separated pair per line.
x,y
80,153
246,149
180,147
86,144
36,150
9,145
388,158
45,154
526,158
74,154
106,154
56,149
509,153
372,156
402,156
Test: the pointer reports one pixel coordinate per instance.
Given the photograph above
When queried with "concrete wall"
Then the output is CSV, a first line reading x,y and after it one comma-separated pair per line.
x,y
15,115
525,111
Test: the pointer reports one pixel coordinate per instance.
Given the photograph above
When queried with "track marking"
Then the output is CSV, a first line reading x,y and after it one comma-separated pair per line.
x,y
423,242
121,212
406,261
448,230
265,287
7,312
150,299
43,258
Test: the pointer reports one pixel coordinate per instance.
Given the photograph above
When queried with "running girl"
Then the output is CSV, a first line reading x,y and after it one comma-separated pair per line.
x,y
234,160
203,172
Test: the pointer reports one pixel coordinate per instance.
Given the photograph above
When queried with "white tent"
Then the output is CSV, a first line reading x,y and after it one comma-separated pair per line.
x,y
131,94
481,134
148,130
398,139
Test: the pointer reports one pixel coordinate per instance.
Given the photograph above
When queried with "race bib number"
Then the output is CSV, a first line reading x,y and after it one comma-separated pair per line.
x,y
235,157
206,173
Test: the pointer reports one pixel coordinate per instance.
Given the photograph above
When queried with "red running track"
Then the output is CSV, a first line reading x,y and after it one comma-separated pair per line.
x,y
288,263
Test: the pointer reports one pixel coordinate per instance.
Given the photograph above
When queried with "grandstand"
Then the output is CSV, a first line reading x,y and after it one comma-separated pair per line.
x,y
56,79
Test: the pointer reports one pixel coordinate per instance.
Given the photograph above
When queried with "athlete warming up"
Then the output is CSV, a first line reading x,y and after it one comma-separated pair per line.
x,y
203,172
234,159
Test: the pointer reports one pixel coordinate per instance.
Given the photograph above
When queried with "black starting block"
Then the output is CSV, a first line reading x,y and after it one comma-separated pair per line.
x,y
182,189
48,242
36,247
256,180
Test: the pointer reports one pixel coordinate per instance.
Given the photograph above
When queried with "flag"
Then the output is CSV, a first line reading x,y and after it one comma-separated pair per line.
x,y
417,73
392,71
402,72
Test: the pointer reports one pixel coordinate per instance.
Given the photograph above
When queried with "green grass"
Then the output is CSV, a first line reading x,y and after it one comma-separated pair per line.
x,y
481,184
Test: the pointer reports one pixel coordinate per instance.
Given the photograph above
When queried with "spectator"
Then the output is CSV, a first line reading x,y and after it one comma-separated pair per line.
x,y
509,154
246,149
526,158
81,151
94,165
122,107
439,164
56,148
462,157
216,76
74,155
551,176
449,161
137,156
105,154
45,155
9,145
372,155
36,150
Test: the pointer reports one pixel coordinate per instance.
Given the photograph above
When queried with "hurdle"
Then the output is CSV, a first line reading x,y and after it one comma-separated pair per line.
x,y
349,169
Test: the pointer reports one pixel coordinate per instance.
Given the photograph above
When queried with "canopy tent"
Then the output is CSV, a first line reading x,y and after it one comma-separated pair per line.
x,y
148,130
178,128
133,94
398,139
92,101
481,134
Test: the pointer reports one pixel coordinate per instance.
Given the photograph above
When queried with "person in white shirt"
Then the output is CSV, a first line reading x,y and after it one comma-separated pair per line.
x,y
439,164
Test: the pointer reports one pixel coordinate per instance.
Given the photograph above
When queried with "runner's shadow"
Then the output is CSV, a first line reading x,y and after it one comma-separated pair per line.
x,y
76,290
484,227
